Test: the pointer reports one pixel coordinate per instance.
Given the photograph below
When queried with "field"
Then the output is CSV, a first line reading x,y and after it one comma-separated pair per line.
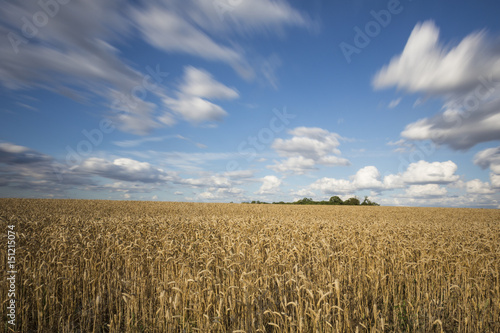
x,y
104,266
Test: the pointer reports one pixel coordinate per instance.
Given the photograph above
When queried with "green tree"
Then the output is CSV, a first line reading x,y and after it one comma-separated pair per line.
x,y
335,200
368,202
352,201
305,201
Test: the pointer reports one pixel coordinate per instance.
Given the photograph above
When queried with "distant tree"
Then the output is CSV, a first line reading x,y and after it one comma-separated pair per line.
x,y
368,202
335,200
352,201
305,201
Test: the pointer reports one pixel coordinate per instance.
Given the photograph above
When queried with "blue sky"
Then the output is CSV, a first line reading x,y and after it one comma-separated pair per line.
x,y
238,100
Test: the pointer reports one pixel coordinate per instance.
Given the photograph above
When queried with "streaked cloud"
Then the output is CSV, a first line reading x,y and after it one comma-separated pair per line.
x,y
192,99
394,103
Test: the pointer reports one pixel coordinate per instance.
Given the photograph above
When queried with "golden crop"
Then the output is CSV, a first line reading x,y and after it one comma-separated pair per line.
x,y
103,266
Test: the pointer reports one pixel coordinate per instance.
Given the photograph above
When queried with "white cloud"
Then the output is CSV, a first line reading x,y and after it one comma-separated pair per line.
x,y
367,178
194,26
393,181
423,172
186,161
239,174
427,66
303,193
168,30
207,196
215,181
403,146
495,180
268,68
490,158
59,58
195,110
308,147
138,142
88,67
14,154
167,119
258,16
221,194
333,186
419,101
466,76
425,191
469,200
458,128
124,169
298,165
136,123
25,168
270,185
476,186
191,99
311,142
394,103
200,83
333,161
126,187
62,50
420,173
422,182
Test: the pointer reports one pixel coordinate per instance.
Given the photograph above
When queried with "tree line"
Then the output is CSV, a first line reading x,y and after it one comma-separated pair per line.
x,y
335,200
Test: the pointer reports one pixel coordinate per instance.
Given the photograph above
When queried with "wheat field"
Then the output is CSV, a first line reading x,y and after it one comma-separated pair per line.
x,y
123,266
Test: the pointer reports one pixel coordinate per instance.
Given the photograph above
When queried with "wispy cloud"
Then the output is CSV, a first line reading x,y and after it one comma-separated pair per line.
x,y
89,67
425,65
192,99
466,76
394,103
194,27
138,142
